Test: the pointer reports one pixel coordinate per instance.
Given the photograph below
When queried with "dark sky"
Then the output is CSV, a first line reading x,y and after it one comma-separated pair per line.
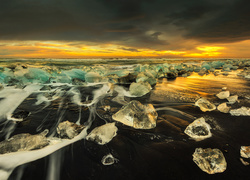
x,y
154,24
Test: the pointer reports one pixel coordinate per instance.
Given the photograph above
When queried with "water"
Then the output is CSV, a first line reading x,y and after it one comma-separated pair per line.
x,y
50,97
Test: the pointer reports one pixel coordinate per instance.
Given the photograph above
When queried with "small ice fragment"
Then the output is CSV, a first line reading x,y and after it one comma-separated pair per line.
x,y
108,159
198,129
243,111
139,89
137,115
223,108
232,99
68,129
245,151
224,88
103,134
210,160
205,105
223,94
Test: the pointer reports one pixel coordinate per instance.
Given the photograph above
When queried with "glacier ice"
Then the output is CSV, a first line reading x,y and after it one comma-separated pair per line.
x,y
243,111
198,129
139,89
137,115
223,94
205,105
93,77
245,151
210,160
146,77
68,129
232,99
223,108
103,134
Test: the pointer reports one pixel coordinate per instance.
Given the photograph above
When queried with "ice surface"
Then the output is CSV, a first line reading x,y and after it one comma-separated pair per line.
x,y
198,129
205,105
24,142
232,99
243,111
146,77
217,64
139,89
103,134
93,77
223,94
68,129
137,115
75,73
206,65
223,108
210,160
245,151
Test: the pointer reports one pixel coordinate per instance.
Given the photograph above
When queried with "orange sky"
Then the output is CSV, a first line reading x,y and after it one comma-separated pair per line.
x,y
59,49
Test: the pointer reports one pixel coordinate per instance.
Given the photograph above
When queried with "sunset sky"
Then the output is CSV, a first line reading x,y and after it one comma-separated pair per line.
x,y
124,28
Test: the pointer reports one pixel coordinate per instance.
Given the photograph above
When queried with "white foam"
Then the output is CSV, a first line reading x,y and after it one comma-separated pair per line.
x,y
12,98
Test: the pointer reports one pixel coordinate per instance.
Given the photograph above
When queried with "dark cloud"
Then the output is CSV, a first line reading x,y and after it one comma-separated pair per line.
x,y
153,24
130,49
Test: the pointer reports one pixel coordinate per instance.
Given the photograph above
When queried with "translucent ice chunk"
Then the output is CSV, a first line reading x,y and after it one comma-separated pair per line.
x,y
243,111
137,115
245,151
37,74
223,108
232,99
217,64
75,73
205,105
223,94
139,89
103,134
198,129
119,73
146,77
68,129
206,65
210,160
93,77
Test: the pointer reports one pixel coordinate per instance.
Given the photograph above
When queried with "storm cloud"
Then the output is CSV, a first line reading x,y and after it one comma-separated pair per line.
x,y
153,24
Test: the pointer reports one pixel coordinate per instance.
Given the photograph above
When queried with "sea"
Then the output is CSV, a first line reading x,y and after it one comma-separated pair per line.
x,y
39,94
